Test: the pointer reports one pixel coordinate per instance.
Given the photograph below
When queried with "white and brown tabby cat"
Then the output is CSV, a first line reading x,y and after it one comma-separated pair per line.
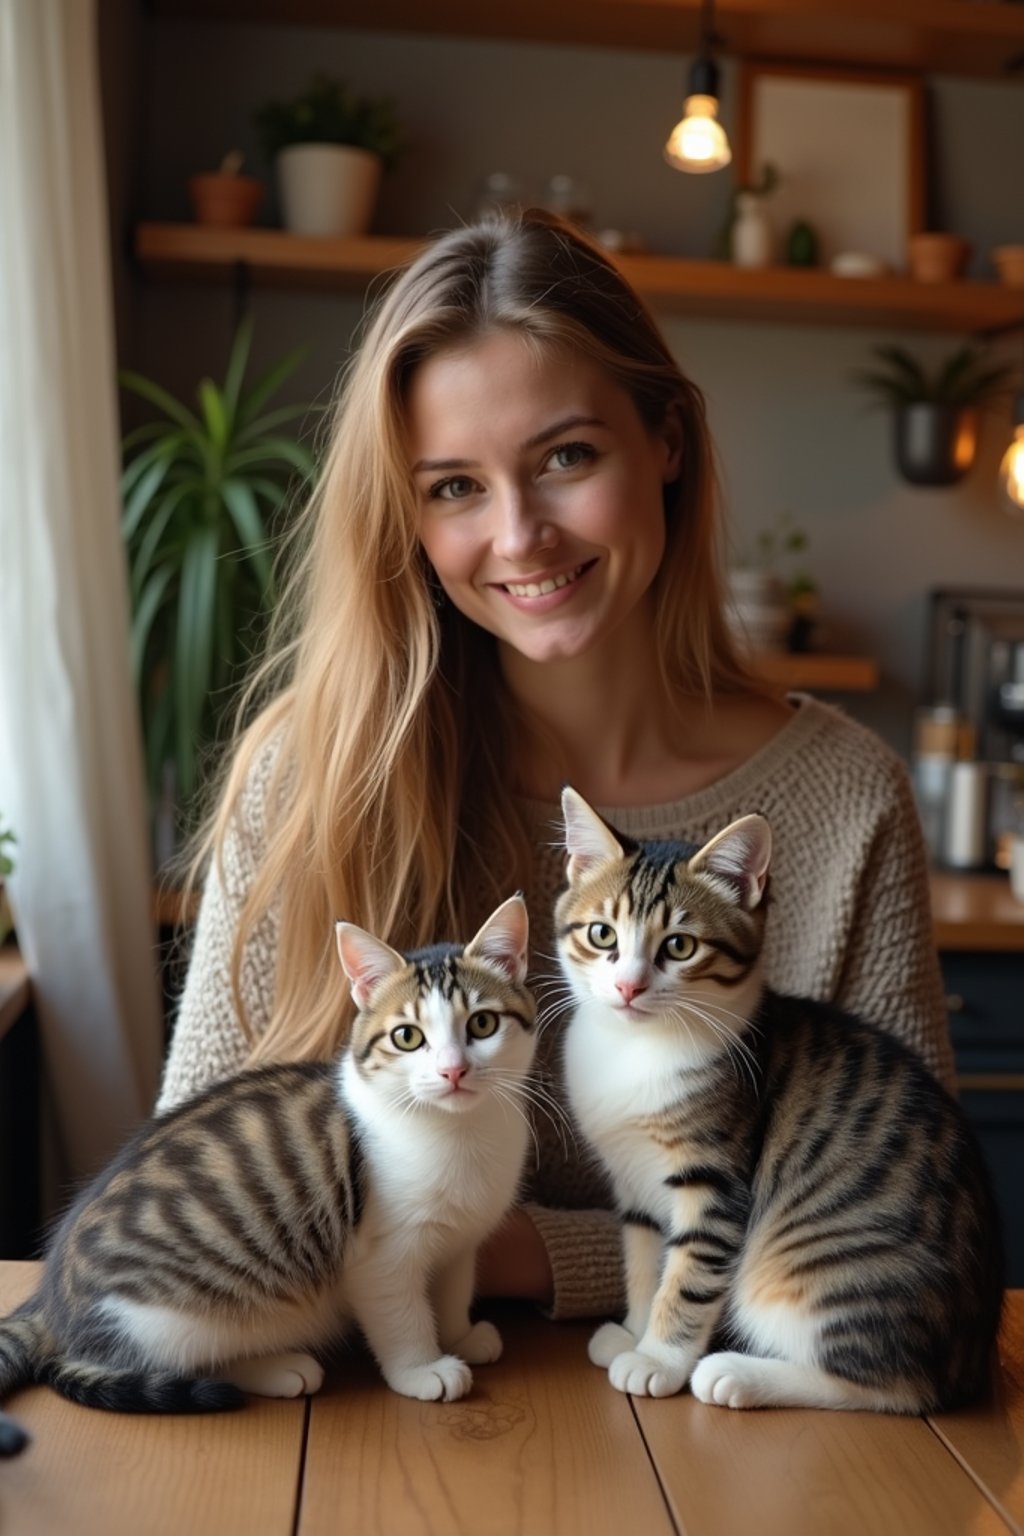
x,y
247,1227
807,1220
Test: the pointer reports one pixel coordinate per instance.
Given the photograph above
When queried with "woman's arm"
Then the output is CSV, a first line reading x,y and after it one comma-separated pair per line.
x,y
570,1262
209,1042
891,970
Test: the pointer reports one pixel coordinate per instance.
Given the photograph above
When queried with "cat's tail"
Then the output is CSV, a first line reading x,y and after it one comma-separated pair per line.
x,y
25,1346
139,1391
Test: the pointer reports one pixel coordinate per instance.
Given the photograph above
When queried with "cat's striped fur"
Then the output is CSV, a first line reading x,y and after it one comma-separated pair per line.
x,y
249,1226
807,1219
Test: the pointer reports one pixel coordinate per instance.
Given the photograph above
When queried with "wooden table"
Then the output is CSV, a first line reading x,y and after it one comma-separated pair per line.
x,y
543,1447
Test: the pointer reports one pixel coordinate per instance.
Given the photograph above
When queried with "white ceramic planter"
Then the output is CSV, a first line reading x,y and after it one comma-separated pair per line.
x,y
757,610
327,189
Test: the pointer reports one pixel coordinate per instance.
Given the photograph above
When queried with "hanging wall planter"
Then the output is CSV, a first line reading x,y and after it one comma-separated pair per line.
x,y
935,416
935,444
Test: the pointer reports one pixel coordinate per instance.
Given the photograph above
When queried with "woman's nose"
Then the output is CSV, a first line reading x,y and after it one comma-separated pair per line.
x,y
520,530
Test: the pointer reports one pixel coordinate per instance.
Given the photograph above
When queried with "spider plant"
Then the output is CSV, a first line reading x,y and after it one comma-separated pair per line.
x,y
966,379
204,492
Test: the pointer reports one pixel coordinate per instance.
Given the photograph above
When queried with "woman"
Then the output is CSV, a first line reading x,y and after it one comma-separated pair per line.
x,y
510,582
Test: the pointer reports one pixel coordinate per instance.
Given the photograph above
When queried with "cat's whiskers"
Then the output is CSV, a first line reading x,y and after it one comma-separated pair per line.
x,y
533,1092
738,1052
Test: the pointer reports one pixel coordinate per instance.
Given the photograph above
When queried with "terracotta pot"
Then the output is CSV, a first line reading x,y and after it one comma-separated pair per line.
x,y
228,201
935,444
937,258
1009,263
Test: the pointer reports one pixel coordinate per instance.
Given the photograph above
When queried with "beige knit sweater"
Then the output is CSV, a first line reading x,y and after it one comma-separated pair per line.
x,y
849,923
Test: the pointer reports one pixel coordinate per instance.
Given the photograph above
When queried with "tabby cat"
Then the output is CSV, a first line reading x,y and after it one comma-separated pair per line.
x,y
245,1228
806,1217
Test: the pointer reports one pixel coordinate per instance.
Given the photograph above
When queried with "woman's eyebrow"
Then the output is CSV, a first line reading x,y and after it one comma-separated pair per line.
x,y
566,424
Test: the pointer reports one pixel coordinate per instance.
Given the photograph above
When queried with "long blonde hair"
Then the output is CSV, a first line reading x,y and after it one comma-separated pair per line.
x,y
389,804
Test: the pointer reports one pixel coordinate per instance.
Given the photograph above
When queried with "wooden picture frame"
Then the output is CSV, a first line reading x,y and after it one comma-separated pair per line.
x,y
848,145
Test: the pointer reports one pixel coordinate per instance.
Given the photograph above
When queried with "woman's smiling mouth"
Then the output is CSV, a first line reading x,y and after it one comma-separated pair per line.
x,y
534,589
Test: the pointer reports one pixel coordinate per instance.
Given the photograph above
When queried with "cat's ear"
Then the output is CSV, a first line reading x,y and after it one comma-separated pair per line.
x,y
741,855
365,960
504,938
588,839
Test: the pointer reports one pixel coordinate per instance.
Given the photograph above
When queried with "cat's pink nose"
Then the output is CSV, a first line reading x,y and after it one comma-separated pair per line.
x,y
454,1075
627,990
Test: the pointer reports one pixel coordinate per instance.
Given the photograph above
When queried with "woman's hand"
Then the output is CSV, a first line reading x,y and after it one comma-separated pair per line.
x,y
514,1262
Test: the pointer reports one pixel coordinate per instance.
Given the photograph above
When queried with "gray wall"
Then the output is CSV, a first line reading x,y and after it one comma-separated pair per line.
x,y
792,434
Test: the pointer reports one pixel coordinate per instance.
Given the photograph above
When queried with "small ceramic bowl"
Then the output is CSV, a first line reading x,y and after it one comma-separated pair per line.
x,y
1009,263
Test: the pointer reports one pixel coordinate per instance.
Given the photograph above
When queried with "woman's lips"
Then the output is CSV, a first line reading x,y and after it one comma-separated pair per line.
x,y
548,591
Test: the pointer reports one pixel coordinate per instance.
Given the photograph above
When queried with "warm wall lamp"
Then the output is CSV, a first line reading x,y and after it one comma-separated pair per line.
x,y
698,143
1011,469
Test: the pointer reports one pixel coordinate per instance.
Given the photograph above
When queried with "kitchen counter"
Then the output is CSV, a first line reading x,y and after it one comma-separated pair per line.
x,y
976,912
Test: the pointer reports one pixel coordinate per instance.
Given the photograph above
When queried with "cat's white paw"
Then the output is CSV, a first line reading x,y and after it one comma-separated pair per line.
x,y
644,1376
611,1339
480,1346
729,1379
289,1375
443,1379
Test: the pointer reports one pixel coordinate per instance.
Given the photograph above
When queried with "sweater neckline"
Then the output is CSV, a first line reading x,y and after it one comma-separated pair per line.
x,y
739,786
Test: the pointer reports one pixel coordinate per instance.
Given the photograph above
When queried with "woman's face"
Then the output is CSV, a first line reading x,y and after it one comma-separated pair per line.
x,y
540,492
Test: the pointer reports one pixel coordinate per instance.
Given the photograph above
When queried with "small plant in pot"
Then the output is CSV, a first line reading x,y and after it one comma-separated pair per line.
x,y
935,415
205,494
7,841
329,147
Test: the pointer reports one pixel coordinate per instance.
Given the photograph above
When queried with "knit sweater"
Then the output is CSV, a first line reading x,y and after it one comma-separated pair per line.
x,y
848,923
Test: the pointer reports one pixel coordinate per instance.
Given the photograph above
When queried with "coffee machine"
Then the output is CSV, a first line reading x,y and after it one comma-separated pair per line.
x,y
976,664
975,681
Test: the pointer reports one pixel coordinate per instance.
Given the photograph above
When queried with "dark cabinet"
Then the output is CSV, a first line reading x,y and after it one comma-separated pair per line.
x,y
985,997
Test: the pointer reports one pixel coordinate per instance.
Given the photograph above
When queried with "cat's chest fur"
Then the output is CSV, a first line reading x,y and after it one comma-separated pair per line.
x,y
434,1180
622,1085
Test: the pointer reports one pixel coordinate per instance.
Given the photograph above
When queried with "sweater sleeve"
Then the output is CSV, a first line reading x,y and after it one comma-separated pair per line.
x,y
891,968
209,1042
584,1249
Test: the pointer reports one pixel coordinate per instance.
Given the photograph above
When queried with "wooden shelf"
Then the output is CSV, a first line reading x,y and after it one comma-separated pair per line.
x,y
962,37
818,673
710,289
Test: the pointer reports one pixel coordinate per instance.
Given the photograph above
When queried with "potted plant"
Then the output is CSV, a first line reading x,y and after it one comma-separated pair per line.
x,y
935,414
773,608
7,840
225,197
204,494
329,147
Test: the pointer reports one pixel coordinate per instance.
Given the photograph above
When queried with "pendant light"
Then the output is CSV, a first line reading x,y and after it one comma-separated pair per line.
x,y
698,143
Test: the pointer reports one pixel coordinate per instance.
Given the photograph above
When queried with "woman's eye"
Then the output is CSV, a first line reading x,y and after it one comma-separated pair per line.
x,y
455,488
480,1026
407,1037
601,935
680,946
571,455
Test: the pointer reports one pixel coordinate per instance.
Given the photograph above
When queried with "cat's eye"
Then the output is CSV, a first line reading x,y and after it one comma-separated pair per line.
x,y
407,1037
680,946
602,935
480,1026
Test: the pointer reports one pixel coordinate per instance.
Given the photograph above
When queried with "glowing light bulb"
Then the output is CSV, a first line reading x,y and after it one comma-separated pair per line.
x,y
1011,472
698,142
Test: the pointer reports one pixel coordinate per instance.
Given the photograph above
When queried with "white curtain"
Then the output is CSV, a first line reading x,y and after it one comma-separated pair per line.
x,y
70,757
